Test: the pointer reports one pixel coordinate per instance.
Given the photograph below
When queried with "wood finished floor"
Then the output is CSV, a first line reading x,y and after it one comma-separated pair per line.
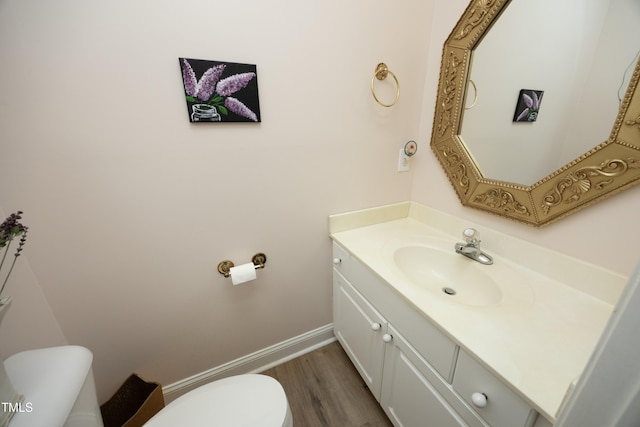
x,y
325,390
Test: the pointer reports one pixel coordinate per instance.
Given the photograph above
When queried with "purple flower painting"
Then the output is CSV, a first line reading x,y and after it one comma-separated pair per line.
x,y
220,91
528,106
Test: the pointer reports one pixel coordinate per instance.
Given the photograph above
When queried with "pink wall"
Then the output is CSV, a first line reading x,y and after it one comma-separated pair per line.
x,y
131,207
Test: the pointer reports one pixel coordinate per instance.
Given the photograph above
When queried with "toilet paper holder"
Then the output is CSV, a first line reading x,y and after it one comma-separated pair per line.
x,y
259,260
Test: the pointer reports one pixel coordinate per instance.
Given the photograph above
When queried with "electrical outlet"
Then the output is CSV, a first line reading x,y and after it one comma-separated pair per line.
x,y
403,161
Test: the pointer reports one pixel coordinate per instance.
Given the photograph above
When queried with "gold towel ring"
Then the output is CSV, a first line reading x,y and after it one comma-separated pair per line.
x,y
381,73
475,95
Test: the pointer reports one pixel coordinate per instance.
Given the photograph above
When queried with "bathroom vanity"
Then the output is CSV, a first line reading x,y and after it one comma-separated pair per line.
x,y
442,340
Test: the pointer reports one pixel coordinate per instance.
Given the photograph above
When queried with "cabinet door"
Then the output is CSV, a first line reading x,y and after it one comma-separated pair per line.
x,y
359,328
408,397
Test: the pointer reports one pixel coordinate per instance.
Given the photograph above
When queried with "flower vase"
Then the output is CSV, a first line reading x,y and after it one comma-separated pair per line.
x,y
205,113
9,397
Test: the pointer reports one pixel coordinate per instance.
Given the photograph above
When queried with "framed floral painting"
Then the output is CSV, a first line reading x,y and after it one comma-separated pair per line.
x,y
528,105
218,91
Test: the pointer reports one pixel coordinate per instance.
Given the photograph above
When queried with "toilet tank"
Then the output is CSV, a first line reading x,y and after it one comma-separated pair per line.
x,y
58,387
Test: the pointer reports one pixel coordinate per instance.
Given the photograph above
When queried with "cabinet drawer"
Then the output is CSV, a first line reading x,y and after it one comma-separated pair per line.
x,y
504,408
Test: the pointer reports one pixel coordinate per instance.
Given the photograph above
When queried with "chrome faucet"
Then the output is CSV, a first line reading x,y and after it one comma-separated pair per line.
x,y
471,247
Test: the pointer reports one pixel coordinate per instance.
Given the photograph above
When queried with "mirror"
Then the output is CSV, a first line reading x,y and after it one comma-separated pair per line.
x,y
580,149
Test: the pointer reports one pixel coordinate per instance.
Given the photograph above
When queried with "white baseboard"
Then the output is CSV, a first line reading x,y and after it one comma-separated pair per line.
x,y
256,362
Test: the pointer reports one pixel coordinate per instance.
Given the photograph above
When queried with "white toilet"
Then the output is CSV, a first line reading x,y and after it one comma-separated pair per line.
x,y
58,386
251,400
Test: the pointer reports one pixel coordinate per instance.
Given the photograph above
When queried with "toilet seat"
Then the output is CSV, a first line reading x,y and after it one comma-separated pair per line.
x,y
243,400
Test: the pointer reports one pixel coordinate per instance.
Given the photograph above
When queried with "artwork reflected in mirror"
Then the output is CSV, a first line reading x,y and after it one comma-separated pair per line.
x,y
528,105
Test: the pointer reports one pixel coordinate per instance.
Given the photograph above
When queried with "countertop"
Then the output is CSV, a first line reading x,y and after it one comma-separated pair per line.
x,y
538,338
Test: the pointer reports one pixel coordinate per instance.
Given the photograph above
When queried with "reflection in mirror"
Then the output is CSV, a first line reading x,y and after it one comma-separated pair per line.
x,y
579,68
583,146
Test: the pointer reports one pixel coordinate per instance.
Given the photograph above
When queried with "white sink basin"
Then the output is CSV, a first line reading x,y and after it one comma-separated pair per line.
x,y
430,266
448,274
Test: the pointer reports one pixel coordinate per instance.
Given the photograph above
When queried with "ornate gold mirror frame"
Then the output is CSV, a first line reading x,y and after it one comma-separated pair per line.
x,y
608,168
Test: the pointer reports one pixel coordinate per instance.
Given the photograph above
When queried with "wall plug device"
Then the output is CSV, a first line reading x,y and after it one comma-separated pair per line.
x,y
403,161
406,153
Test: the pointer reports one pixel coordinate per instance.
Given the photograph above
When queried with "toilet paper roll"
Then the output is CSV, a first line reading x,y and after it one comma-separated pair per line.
x,y
243,273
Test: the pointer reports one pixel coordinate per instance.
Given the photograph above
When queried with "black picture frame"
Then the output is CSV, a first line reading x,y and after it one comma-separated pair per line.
x,y
528,105
220,91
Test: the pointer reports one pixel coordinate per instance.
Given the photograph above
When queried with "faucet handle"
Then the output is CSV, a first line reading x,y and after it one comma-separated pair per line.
x,y
471,235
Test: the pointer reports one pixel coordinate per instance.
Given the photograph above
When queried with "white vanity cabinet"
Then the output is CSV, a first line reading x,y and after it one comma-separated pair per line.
x,y
418,374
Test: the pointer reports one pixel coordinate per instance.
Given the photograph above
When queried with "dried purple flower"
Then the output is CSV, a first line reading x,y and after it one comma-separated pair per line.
x,y
207,83
240,109
9,230
234,83
189,78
